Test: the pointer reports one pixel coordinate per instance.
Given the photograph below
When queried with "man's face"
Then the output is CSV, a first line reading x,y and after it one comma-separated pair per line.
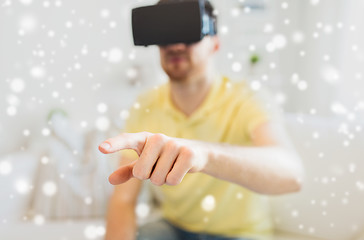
x,y
181,61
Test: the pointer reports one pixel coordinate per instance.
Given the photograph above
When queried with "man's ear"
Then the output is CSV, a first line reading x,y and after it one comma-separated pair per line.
x,y
216,43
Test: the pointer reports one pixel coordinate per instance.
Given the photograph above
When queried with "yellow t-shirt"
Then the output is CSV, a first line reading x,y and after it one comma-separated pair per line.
x,y
202,203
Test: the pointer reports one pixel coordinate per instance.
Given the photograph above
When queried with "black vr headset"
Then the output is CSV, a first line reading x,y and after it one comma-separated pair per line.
x,y
172,22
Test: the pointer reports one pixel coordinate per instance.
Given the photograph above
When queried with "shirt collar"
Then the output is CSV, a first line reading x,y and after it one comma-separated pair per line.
x,y
209,103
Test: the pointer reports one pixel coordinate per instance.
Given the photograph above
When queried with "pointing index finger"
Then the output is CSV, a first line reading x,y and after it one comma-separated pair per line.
x,y
123,141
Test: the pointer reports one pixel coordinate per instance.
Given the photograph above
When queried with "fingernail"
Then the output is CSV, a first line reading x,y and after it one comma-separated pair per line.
x,y
105,146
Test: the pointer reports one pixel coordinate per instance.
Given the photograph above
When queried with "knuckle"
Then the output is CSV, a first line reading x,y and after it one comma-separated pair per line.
x,y
170,146
172,180
186,152
188,162
146,135
157,138
140,174
157,181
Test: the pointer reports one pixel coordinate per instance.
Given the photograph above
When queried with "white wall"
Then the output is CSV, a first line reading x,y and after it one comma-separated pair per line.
x,y
61,56
331,66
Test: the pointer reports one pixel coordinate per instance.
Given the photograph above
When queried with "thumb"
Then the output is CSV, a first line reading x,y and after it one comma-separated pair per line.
x,y
122,175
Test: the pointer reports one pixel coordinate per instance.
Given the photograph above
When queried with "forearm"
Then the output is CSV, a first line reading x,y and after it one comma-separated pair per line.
x,y
266,170
263,169
121,221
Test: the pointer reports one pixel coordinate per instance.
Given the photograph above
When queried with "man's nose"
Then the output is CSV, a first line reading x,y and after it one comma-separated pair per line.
x,y
176,47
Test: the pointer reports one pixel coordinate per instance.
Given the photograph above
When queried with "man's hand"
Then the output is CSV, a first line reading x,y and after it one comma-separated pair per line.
x,y
162,159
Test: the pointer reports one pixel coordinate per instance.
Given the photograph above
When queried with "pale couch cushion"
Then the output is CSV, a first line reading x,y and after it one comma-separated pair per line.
x,y
292,236
17,171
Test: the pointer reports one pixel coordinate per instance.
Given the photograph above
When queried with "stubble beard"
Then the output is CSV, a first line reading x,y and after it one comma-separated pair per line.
x,y
178,74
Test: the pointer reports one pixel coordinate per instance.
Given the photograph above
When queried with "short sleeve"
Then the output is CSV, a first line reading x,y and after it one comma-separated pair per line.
x,y
257,113
254,110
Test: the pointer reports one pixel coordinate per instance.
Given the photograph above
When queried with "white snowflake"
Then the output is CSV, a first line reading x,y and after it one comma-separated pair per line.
x,y
224,30
270,47
84,124
88,200
26,2
131,73
51,33
46,4
268,28
124,114
22,186
58,3
94,232
236,67
352,167
328,29
280,98
27,24
5,167
298,37
302,85
39,220
208,203
12,100
315,2
235,12
46,132
26,132
252,48
115,55
37,72
294,213
330,74
44,160
360,185
17,85
102,123
49,188
11,110
279,41
112,24
136,105
105,13
284,5
255,85
142,210
102,107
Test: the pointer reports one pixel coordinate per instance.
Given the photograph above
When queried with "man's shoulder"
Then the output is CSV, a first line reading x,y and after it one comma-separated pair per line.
x,y
235,88
243,91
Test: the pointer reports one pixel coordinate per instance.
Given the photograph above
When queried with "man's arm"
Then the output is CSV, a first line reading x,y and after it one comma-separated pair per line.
x,y
271,166
268,167
121,219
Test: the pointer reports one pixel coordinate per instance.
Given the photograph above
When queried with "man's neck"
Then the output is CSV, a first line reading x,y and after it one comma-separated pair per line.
x,y
188,95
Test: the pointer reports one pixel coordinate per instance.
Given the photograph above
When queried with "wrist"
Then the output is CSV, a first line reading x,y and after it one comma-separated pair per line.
x,y
207,156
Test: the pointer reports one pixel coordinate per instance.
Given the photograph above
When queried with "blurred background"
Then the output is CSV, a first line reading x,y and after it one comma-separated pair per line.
x,y
69,73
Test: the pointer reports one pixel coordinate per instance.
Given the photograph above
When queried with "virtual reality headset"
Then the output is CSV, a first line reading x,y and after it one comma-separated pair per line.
x,y
172,22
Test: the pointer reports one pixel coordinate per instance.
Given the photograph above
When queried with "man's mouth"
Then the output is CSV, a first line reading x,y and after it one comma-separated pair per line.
x,y
176,59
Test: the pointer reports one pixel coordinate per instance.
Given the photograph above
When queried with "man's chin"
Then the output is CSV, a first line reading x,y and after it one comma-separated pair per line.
x,y
177,75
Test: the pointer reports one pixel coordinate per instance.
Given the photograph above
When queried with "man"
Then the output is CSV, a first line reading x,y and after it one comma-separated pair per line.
x,y
210,149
